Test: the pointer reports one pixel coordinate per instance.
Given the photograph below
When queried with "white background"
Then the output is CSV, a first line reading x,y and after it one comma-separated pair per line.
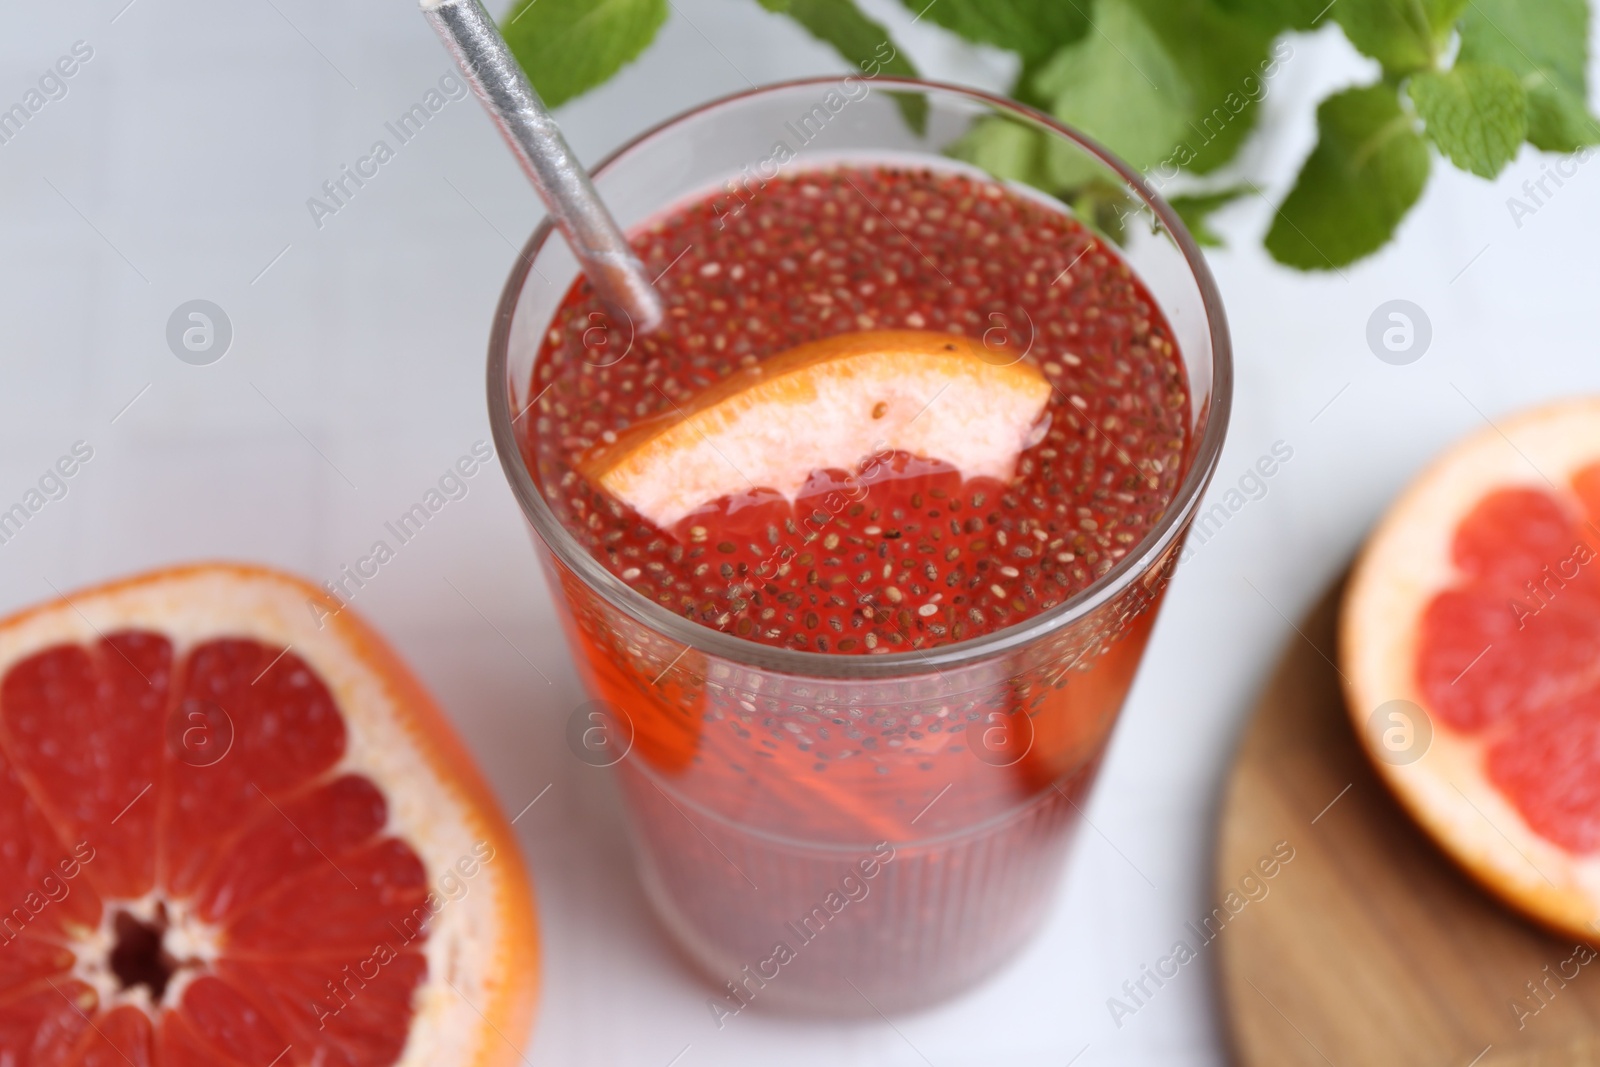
x,y
178,166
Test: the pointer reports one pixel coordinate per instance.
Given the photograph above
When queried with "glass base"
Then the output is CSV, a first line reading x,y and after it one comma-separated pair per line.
x,y
844,931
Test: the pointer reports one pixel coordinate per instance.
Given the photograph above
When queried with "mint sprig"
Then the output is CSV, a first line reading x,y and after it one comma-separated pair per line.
x,y
1173,86
1476,113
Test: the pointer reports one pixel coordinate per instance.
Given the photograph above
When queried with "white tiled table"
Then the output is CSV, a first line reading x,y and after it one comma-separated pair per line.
x,y
178,167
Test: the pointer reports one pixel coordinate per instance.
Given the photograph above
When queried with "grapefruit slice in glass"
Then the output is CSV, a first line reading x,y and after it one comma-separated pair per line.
x,y
1470,648
828,404
234,830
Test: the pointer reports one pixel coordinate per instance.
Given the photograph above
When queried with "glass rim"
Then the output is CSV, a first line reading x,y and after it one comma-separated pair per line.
x,y
832,665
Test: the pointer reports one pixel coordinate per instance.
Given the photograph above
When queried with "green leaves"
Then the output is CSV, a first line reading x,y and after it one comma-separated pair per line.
x,y
1008,150
568,47
1546,45
863,42
1476,113
1034,29
839,23
1559,120
1118,84
1519,75
1369,167
1275,16
1173,86
1165,84
1225,61
1403,35
1548,36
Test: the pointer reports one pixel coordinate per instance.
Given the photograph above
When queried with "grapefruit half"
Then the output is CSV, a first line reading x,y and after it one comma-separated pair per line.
x,y
828,405
234,830
1470,648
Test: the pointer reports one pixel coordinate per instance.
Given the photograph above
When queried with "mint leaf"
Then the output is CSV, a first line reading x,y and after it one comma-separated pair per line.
x,y
1007,150
1196,210
1224,58
1034,29
1368,169
1546,44
859,40
1276,16
1547,36
570,46
1477,113
1014,151
1403,35
1120,85
1559,120
1165,84
1442,14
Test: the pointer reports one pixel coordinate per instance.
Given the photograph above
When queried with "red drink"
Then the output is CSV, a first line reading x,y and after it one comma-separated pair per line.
x,y
858,752
901,553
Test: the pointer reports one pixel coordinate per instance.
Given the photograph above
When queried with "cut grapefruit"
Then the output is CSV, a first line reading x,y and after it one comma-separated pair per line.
x,y
828,405
1470,647
234,830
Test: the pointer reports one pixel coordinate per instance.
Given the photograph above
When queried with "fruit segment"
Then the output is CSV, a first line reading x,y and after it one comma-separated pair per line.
x,y
83,728
828,405
1527,609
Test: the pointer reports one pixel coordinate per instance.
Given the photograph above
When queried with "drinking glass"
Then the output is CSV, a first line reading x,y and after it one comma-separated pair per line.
x,y
853,834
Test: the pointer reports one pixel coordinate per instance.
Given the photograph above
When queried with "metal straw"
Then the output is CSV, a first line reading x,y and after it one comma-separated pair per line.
x,y
602,250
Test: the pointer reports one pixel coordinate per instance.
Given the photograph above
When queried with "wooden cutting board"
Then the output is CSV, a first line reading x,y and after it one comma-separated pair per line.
x,y
1367,946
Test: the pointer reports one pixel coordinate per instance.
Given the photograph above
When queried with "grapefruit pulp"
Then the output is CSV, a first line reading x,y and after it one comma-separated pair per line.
x,y
1470,646
234,830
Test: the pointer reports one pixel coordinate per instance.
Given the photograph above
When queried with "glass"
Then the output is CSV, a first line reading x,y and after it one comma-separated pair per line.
x,y
847,833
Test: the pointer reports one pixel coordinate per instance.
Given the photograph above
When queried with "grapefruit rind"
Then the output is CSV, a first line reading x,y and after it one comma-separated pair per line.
x,y
482,947
1406,562
829,404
